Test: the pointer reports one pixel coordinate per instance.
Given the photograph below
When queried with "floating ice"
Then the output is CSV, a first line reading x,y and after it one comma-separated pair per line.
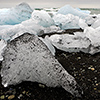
x,y
68,21
15,15
26,58
67,9
43,18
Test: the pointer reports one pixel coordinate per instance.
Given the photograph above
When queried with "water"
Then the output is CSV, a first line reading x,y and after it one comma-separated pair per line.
x,y
93,10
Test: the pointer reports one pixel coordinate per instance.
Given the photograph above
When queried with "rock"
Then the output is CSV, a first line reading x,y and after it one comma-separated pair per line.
x,y
2,97
11,97
92,69
27,58
41,85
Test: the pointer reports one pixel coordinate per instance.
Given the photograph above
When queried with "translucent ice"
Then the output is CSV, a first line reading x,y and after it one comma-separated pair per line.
x,y
26,58
67,9
84,11
15,15
2,46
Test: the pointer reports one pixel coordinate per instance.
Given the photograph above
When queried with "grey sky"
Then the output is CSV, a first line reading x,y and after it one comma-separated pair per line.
x,y
52,3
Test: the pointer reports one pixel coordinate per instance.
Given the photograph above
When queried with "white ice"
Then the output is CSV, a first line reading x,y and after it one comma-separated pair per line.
x,y
43,18
70,43
69,21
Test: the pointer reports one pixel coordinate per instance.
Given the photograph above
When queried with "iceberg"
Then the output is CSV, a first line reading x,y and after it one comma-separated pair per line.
x,y
27,58
68,21
15,15
43,18
67,9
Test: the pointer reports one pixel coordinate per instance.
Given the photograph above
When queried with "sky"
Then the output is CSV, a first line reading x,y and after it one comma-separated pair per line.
x,y
52,3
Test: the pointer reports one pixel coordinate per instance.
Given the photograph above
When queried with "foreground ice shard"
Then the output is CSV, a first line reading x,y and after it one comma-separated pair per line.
x,y
26,58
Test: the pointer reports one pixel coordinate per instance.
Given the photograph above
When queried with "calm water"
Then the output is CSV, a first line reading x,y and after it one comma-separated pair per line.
x,y
93,10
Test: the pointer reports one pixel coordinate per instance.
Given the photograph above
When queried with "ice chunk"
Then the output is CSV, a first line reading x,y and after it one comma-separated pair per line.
x,y
2,46
70,43
26,58
68,21
93,35
15,15
90,20
82,24
27,26
52,29
67,9
43,18
96,23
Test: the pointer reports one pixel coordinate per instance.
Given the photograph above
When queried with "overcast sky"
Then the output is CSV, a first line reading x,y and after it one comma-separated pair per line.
x,y
52,3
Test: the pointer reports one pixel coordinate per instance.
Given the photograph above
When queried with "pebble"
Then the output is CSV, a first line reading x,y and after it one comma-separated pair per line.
x,y
99,91
95,88
78,58
24,92
2,97
97,84
92,69
11,97
41,85
20,96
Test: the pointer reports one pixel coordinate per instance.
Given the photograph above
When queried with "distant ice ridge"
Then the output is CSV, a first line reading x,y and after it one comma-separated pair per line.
x,y
67,9
15,15
27,58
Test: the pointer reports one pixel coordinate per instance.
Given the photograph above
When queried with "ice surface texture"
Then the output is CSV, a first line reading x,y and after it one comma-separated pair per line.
x,y
67,9
68,21
26,58
43,18
70,43
2,45
15,15
87,41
